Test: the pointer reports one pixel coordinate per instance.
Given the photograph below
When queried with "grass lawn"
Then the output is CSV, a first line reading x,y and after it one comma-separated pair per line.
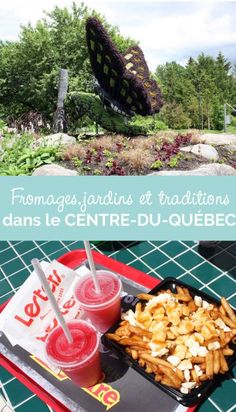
x,y
231,129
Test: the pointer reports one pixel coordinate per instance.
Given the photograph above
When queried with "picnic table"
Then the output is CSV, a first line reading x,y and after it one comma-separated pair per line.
x,y
210,270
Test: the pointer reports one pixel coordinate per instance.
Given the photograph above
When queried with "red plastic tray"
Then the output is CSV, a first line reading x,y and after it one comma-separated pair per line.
x,y
72,260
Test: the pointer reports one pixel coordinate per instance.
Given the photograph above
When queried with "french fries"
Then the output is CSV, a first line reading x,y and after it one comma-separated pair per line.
x,y
222,311
228,351
194,376
228,321
209,364
228,310
181,340
223,364
198,359
140,332
156,361
133,342
170,375
216,361
145,296
183,298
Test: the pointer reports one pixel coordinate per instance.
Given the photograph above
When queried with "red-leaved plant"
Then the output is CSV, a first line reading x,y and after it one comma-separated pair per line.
x,y
88,157
168,150
99,155
115,169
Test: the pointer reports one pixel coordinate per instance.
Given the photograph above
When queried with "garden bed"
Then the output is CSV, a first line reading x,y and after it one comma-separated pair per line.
x,y
21,154
120,155
227,155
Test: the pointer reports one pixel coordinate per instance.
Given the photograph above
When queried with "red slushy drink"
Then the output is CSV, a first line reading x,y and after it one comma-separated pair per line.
x,y
79,360
102,309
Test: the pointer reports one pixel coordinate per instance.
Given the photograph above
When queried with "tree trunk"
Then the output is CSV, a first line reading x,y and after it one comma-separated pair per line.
x,y
60,124
208,118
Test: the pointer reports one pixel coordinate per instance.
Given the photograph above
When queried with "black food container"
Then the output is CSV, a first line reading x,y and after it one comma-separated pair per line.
x,y
196,394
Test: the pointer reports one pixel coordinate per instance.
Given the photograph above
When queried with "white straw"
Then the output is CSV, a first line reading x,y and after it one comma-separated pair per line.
x,y
92,266
39,271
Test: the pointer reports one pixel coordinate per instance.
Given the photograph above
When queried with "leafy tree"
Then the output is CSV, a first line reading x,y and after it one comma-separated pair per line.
x,y
194,95
29,67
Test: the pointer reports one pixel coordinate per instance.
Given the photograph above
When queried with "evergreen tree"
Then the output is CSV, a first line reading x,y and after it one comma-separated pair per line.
x,y
200,89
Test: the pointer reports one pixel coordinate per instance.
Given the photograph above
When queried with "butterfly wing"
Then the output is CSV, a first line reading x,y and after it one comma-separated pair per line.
x,y
136,64
132,89
107,63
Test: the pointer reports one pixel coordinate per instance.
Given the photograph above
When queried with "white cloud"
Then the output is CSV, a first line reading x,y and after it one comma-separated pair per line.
x,y
14,13
166,30
172,34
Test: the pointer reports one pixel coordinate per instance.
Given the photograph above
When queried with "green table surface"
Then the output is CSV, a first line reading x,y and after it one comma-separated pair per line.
x,y
213,271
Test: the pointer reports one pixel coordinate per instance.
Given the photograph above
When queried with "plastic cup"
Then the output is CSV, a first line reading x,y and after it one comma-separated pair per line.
x,y
79,360
102,309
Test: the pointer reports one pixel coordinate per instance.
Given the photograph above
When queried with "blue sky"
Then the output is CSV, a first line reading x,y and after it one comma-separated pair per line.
x,y
166,30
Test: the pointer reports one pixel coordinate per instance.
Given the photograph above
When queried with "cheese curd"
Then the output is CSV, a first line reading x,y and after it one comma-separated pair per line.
x,y
193,346
206,305
198,337
176,330
187,375
130,317
198,370
158,349
219,322
185,364
214,345
202,351
189,385
184,390
174,360
198,301
180,351
162,298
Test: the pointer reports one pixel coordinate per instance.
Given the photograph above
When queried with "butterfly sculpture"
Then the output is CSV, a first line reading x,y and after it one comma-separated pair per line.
x,y
123,80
